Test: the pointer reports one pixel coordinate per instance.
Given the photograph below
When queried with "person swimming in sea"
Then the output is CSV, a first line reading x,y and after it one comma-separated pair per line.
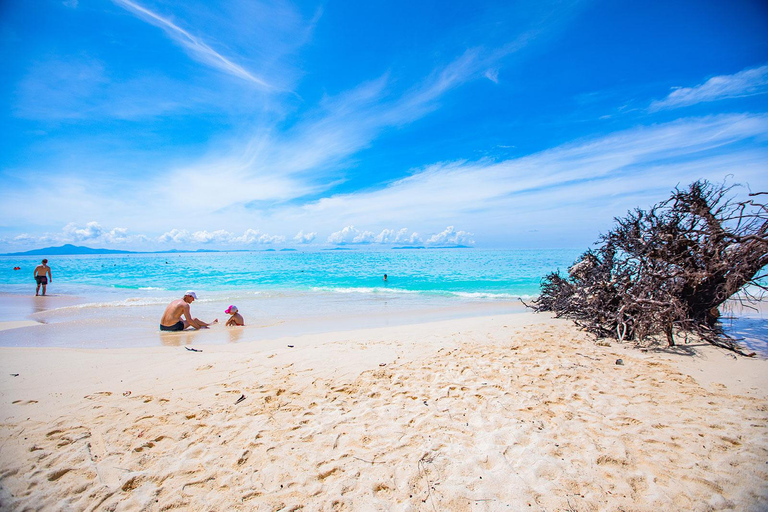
x,y
172,317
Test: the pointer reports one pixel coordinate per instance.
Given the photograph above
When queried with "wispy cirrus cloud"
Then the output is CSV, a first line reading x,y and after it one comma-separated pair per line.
x,y
566,188
748,82
569,192
279,166
196,47
271,167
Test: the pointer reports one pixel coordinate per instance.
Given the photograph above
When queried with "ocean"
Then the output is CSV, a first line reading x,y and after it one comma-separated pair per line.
x,y
448,272
106,301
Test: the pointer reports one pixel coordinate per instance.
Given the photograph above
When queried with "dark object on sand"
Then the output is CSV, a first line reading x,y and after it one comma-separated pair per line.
x,y
668,270
620,362
242,397
193,349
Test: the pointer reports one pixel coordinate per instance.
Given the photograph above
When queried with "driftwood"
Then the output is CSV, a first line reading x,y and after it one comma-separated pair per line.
x,y
667,270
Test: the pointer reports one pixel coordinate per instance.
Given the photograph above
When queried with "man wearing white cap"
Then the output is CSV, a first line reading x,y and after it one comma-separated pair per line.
x,y
172,318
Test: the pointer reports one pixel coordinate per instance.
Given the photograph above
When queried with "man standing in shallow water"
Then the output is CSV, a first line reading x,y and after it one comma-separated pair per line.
x,y
42,276
172,320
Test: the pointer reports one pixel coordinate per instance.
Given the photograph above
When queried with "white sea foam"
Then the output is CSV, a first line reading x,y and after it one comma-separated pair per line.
x,y
485,295
363,289
445,293
129,302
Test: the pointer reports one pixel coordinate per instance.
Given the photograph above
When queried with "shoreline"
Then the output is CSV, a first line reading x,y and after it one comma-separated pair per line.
x,y
481,412
103,322
80,323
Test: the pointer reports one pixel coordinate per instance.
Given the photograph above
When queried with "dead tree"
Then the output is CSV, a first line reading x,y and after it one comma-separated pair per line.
x,y
668,269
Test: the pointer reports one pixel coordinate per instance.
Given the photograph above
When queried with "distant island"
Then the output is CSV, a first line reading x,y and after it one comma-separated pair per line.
x,y
409,247
66,249
69,249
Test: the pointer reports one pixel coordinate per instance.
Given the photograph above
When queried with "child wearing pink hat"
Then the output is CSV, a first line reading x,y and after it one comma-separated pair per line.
x,y
235,317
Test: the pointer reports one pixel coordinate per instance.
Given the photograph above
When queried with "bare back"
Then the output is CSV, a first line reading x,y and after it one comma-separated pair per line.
x,y
42,270
174,311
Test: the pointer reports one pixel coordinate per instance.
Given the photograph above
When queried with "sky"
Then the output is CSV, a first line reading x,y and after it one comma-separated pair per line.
x,y
241,124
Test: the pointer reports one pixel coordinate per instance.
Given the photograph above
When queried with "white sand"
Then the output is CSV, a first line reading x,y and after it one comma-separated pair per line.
x,y
514,412
4,326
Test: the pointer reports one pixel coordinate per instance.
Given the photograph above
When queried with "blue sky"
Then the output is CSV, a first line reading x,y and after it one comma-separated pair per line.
x,y
241,124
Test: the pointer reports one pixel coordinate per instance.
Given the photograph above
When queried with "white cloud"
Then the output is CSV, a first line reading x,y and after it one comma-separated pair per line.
x,y
345,236
748,82
120,235
254,236
220,237
492,75
178,236
205,237
387,236
304,238
236,177
352,235
570,192
390,236
365,237
89,232
566,189
449,236
25,238
196,47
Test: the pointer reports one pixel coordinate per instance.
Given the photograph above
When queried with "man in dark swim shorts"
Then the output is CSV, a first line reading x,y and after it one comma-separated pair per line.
x,y
172,317
178,326
42,273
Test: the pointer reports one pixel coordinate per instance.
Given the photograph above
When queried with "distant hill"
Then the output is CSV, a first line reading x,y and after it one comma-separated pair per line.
x,y
69,249
66,249
408,247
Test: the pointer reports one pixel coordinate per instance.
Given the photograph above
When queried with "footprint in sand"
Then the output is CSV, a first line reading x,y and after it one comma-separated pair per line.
x,y
95,395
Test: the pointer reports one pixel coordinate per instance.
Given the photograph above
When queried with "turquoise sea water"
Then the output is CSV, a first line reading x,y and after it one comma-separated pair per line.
x,y
459,272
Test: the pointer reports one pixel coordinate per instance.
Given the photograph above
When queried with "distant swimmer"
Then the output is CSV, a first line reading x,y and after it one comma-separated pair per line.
x,y
235,318
385,277
42,276
172,318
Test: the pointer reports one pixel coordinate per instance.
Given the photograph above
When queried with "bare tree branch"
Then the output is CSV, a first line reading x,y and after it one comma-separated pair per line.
x,y
668,269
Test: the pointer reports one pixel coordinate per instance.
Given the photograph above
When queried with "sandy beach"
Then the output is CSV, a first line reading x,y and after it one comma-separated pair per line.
x,y
508,412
